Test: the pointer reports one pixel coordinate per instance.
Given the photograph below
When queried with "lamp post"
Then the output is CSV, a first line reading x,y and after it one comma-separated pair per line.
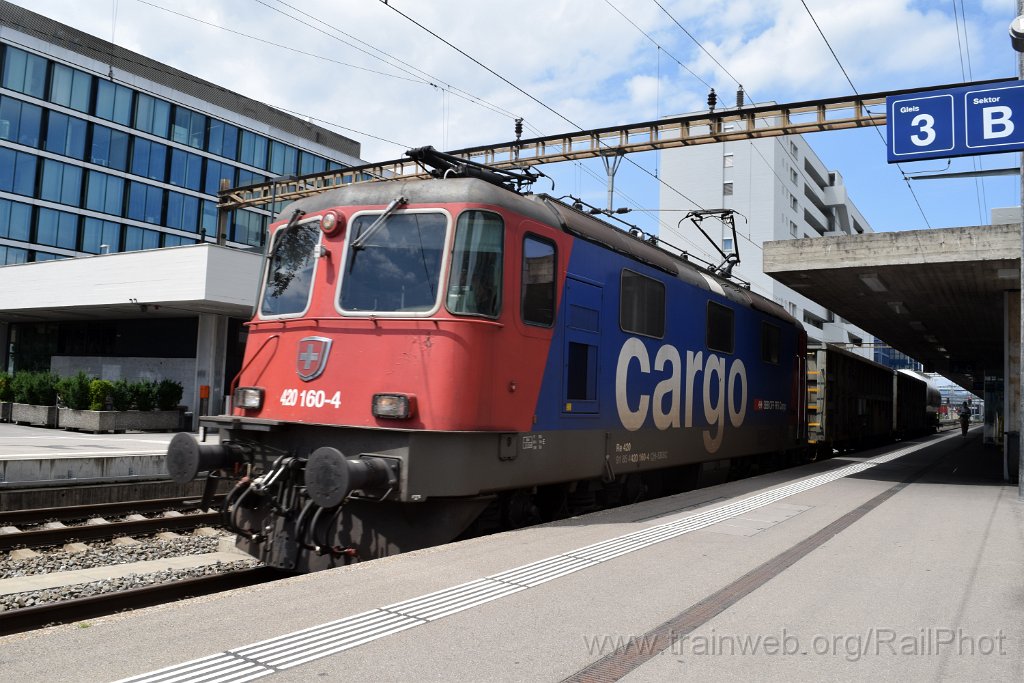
x,y
1017,40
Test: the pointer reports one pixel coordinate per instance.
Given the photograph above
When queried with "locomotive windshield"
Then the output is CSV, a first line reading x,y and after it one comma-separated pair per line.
x,y
396,267
290,275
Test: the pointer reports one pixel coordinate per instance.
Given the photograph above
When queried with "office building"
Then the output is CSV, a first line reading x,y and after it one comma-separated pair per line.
x,y
104,153
780,190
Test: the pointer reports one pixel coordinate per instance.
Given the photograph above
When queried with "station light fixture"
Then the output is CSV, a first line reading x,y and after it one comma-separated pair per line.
x,y
898,307
872,282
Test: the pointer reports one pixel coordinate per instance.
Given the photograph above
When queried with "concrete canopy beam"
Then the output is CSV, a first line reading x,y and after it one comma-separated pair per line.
x,y
936,295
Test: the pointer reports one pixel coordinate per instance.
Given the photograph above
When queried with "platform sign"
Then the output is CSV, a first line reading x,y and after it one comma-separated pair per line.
x,y
956,122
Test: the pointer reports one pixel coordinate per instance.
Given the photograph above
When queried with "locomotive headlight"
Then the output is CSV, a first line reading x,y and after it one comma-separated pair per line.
x,y
394,406
331,223
250,398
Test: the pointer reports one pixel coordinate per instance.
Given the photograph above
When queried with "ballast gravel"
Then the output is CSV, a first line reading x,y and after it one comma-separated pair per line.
x,y
108,554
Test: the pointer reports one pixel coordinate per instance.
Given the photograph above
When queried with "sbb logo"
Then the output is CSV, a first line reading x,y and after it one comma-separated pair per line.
x,y
724,389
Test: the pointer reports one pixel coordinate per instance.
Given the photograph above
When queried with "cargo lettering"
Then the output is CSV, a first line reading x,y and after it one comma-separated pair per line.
x,y
671,404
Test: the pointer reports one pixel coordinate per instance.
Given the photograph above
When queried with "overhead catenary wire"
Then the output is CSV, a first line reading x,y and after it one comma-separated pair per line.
x,y
906,180
524,92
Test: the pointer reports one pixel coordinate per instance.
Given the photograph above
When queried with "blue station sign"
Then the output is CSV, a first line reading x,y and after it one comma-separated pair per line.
x,y
956,122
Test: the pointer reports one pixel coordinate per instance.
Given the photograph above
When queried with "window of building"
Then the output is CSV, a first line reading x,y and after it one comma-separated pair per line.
x,y
152,115
113,102
65,135
104,193
149,159
20,122
99,236
284,158
793,203
792,228
793,149
247,227
145,203
641,305
538,281
70,87
61,183
208,218
793,177
474,283
720,328
24,72
186,170
222,139
15,220
177,240
57,229
246,177
215,171
727,160
17,172
311,163
137,239
12,255
188,127
771,342
45,256
109,148
253,150
182,212
727,188
727,245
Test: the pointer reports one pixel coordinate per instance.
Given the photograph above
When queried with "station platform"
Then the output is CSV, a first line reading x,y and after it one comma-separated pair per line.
x,y
901,563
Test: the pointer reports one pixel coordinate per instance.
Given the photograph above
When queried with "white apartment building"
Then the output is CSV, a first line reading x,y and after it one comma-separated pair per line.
x,y
780,190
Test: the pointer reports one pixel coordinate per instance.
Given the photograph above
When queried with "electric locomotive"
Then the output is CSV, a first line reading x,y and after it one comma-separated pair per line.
x,y
426,354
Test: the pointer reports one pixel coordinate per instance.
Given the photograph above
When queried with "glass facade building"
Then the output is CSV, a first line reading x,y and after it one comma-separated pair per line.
x,y
103,150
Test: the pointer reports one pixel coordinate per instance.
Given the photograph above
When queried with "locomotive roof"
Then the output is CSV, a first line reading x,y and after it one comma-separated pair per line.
x,y
544,209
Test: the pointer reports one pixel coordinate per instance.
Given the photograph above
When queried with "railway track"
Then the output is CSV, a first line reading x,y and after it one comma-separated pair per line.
x,y
99,528
69,611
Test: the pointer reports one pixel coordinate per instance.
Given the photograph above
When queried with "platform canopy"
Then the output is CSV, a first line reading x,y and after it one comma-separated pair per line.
x,y
937,295
175,282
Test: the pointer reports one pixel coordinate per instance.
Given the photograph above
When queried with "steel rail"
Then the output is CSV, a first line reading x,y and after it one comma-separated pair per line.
x,y
48,537
14,517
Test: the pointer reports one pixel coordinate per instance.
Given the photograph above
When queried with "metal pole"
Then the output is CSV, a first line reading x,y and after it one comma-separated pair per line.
x,y
1020,339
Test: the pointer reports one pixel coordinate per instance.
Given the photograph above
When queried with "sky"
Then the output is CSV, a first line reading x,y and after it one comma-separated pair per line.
x,y
456,73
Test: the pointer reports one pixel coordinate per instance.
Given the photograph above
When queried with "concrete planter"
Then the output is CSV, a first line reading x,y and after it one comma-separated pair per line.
x,y
40,416
120,421
5,412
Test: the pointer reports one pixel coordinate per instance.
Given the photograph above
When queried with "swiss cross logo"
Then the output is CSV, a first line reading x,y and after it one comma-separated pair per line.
x,y
312,357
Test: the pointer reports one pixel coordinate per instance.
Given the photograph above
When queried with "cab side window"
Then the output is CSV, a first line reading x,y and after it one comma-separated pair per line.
x,y
538,288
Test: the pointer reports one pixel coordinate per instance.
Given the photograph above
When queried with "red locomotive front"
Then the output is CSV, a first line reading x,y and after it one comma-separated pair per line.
x,y
392,317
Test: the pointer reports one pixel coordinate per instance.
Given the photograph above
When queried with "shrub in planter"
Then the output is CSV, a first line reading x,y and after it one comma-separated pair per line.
x,y
168,394
121,395
144,395
75,391
6,391
35,388
21,387
100,392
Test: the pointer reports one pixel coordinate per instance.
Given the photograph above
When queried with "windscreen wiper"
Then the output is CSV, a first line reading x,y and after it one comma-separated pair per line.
x,y
360,241
296,215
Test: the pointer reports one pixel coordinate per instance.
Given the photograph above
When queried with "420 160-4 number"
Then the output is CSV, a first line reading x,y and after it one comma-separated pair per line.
x,y
310,398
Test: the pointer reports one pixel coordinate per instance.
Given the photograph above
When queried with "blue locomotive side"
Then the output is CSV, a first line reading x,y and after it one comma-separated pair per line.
x,y
670,369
